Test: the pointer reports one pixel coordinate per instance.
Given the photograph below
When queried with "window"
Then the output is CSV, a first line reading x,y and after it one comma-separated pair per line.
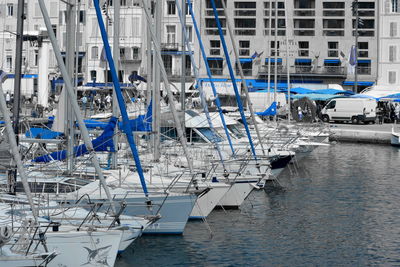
x,y
215,47
244,48
93,75
303,49
392,77
123,3
362,49
95,28
10,10
171,34
331,105
392,53
216,66
333,49
189,32
171,8
135,52
393,29
395,6
95,52
9,62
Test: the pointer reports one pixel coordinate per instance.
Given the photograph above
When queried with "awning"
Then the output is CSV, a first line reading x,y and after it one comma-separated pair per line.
x,y
361,83
245,60
364,61
215,58
302,60
332,61
279,60
24,76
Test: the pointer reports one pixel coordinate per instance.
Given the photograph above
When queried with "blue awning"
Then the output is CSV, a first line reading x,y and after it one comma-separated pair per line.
x,y
361,83
364,61
332,61
23,76
302,60
279,60
245,60
215,58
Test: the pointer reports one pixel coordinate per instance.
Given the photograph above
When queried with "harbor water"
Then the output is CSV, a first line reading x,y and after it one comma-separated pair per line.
x,y
340,209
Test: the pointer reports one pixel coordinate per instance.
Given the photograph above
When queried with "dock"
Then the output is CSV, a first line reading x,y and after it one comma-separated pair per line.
x,y
372,133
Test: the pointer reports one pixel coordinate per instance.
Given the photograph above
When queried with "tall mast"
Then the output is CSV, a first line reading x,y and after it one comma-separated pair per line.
x,y
116,56
70,55
17,79
156,82
269,53
276,54
183,61
287,58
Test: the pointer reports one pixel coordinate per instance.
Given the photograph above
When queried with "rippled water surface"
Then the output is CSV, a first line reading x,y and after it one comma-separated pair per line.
x,y
340,209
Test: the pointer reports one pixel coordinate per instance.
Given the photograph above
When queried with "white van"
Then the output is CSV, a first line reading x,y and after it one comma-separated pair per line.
x,y
350,109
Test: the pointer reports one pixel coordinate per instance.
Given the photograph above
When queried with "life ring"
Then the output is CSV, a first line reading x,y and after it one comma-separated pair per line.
x,y
283,129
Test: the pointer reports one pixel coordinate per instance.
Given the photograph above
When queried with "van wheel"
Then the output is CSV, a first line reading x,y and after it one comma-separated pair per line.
x,y
355,120
325,118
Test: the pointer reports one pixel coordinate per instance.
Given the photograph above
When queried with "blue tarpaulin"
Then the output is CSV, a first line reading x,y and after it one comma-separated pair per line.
x,y
102,143
298,90
41,133
271,111
392,96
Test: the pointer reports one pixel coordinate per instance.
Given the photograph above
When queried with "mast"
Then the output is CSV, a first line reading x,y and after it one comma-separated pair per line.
x,y
183,61
70,55
116,56
276,54
156,82
17,79
246,89
126,126
287,59
356,46
74,102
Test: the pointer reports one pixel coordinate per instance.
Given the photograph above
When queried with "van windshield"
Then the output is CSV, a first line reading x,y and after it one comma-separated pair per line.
x,y
331,105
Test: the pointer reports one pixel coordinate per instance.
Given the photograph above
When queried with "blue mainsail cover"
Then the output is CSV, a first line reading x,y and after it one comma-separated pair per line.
x,y
102,143
41,133
271,111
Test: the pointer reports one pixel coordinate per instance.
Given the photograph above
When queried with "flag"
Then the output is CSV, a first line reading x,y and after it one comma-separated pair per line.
x,y
352,60
259,55
254,55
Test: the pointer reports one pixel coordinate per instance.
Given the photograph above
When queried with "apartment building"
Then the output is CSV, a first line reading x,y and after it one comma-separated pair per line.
x,y
320,33
33,25
389,44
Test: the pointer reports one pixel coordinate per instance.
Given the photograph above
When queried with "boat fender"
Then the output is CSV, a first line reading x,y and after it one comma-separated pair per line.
x,y
5,234
283,129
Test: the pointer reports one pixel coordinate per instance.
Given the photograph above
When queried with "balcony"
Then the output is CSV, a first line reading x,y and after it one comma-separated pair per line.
x,y
304,12
263,70
169,46
321,71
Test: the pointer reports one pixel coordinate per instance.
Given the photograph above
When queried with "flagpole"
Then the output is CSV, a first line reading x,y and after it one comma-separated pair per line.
x,y
356,48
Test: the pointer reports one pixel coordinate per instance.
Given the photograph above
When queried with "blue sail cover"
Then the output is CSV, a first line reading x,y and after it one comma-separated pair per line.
x,y
41,133
143,122
102,143
271,111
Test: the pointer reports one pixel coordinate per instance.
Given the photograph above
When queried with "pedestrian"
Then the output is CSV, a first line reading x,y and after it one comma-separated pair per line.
x,y
300,113
108,100
84,101
8,99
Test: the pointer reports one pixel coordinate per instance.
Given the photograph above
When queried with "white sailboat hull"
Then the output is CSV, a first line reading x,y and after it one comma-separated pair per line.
x,y
207,201
236,195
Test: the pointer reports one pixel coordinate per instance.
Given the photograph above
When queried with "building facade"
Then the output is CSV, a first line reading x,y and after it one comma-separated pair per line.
x,y
389,44
320,33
